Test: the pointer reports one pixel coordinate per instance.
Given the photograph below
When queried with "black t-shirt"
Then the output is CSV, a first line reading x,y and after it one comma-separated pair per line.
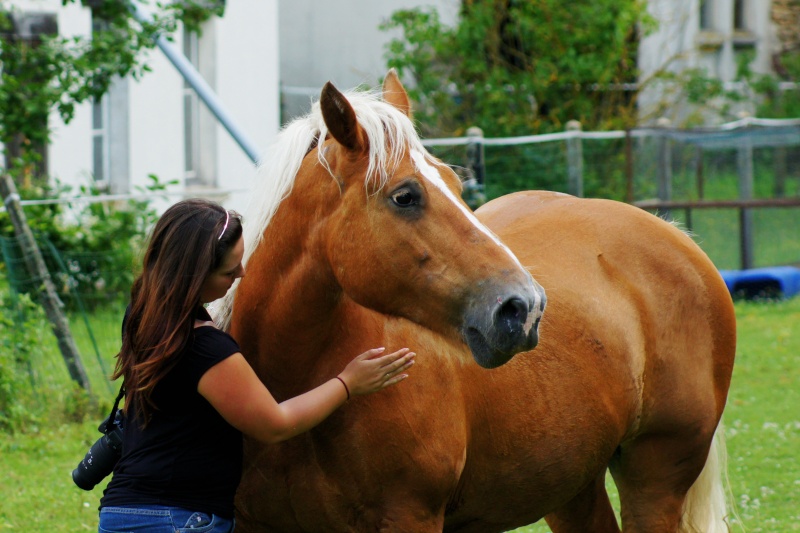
x,y
188,456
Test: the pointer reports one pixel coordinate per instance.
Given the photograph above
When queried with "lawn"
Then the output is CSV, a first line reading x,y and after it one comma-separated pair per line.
x,y
762,425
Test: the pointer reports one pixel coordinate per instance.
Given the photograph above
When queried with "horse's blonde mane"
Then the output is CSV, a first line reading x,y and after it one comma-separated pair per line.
x,y
390,133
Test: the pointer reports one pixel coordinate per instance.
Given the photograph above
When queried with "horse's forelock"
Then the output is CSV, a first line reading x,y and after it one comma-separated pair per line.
x,y
390,133
384,127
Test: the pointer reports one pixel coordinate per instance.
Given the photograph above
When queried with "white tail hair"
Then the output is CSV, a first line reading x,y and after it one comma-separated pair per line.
x,y
705,509
389,133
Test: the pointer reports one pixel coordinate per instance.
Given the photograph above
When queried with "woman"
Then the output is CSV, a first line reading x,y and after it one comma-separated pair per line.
x,y
190,394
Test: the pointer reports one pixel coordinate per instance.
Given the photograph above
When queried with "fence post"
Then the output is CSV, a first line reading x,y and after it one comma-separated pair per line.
x,y
781,170
474,189
744,164
475,153
629,185
574,159
51,303
699,173
664,165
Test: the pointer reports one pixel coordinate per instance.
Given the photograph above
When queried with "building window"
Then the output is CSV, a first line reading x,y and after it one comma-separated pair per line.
x,y
739,15
706,14
100,122
100,144
191,113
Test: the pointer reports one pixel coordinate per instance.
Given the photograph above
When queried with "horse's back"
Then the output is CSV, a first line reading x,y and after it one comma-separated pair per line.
x,y
638,284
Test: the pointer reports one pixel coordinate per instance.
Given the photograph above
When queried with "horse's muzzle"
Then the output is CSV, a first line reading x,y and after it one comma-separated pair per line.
x,y
503,322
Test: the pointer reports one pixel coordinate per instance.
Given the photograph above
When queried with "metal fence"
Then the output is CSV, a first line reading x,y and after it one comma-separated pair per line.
x,y
736,187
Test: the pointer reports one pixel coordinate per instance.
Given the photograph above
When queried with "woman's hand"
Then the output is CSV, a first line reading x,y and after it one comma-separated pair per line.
x,y
368,373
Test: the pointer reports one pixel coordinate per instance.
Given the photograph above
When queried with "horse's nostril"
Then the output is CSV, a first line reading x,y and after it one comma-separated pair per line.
x,y
512,312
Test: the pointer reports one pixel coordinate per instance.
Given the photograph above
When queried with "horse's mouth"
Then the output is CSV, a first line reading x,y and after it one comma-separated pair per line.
x,y
482,351
505,325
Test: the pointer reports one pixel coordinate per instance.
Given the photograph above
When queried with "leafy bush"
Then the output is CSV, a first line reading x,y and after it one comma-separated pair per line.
x,y
20,332
515,67
90,248
35,388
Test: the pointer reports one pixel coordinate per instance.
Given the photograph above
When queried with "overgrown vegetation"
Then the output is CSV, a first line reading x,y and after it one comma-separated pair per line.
x,y
91,248
92,251
755,93
29,396
512,68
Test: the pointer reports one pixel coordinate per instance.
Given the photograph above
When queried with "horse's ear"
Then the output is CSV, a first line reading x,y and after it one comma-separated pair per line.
x,y
341,119
394,92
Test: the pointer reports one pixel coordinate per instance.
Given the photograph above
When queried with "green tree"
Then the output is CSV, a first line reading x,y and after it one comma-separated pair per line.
x,y
44,73
512,66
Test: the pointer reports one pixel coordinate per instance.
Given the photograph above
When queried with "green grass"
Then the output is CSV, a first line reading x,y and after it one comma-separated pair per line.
x,y
762,425
763,417
37,492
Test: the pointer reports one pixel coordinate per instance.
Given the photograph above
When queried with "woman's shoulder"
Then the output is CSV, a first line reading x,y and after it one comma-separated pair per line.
x,y
210,341
208,337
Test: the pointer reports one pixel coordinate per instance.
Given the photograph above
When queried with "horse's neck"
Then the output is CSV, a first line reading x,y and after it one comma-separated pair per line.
x,y
289,310
300,333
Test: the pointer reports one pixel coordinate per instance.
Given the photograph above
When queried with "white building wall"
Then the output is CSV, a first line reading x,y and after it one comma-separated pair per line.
x,y
246,63
680,43
155,122
339,42
70,152
248,82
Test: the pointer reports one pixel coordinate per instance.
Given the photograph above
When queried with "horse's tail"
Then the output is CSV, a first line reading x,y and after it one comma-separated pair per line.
x,y
705,509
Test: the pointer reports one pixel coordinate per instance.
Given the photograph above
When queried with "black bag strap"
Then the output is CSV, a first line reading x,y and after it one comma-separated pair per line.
x,y
117,400
108,423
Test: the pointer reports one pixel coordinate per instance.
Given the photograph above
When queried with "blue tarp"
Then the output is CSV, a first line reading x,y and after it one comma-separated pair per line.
x,y
771,281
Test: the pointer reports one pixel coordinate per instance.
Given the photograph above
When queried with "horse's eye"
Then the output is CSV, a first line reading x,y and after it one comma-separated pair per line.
x,y
404,198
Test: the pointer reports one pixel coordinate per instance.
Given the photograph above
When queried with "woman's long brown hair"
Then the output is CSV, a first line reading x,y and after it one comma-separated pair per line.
x,y
189,242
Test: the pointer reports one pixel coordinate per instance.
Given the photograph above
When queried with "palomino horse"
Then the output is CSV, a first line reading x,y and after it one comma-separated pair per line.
x,y
360,239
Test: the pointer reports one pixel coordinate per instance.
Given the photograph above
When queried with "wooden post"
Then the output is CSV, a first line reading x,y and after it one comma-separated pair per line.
x,y
744,163
781,170
475,154
475,189
701,184
664,166
575,160
629,192
51,303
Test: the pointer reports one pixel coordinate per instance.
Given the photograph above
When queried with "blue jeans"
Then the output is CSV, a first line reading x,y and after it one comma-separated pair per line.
x,y
160,519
